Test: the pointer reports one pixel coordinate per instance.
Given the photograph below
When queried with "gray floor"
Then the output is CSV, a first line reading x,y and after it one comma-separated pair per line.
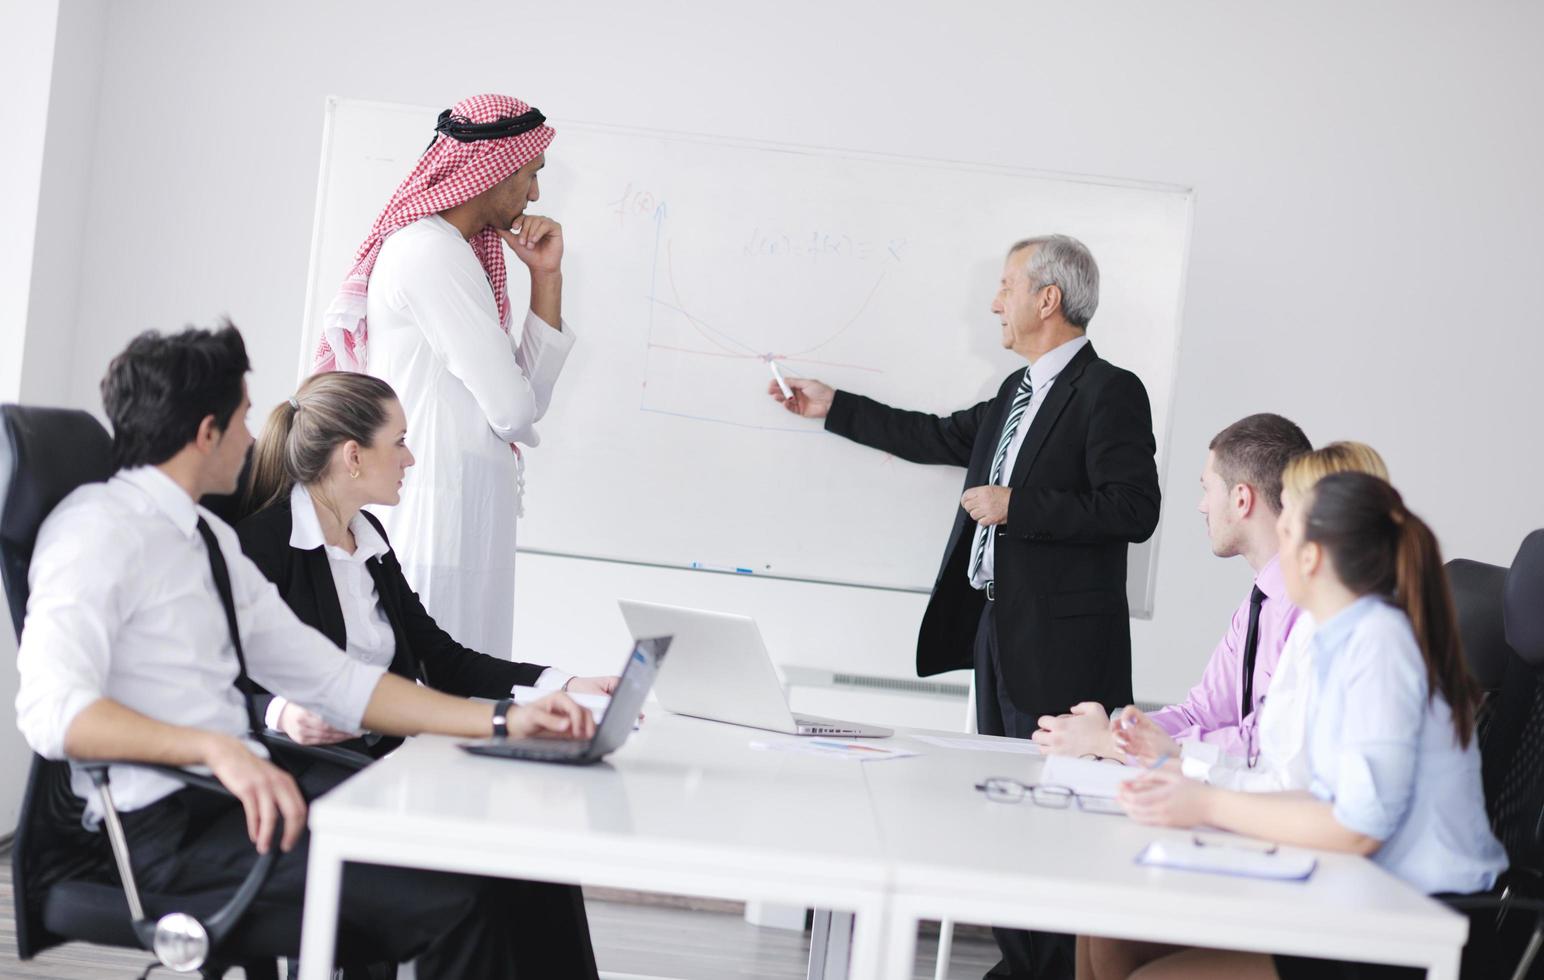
x,y
633,942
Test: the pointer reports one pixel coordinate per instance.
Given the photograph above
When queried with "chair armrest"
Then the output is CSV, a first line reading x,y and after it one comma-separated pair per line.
x,y
224,919
1469,903
192,779
1498,899
283,746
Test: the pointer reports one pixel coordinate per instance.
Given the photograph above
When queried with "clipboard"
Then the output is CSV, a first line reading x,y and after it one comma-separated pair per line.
x,y
1241,858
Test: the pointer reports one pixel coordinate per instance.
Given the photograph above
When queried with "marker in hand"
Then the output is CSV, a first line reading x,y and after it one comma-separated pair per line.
x,y
778,377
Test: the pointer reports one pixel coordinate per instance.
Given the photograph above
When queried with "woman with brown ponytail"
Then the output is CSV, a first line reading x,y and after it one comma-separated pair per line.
x,y
339,445
1390,734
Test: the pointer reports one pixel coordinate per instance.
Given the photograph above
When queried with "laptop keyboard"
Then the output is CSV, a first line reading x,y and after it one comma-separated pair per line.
x,y
541,755
533,749
815,727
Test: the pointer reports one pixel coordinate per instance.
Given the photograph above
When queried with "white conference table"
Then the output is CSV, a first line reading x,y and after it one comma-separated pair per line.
x,y
955,854
686,807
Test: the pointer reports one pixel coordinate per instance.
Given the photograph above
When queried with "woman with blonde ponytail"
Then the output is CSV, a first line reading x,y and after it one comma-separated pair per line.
x,y
1394,766
337,446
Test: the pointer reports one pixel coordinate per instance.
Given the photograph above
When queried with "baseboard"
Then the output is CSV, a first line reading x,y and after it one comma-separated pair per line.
x,y
693,903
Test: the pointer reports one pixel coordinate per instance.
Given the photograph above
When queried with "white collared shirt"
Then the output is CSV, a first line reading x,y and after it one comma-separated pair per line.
x,y
370,639
1042,374
123,606
368,634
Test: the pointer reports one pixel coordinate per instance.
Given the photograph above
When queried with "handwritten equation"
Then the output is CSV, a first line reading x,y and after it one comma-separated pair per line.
x,y
818,245
642,204
637,203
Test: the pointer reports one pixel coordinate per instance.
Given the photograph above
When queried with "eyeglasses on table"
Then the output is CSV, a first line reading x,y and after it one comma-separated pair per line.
x,y
1001,789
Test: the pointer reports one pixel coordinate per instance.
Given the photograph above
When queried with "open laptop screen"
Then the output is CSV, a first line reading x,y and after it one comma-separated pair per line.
x,y
633,689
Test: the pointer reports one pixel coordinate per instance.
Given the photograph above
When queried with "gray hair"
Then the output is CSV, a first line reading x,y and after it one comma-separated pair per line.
x,y
1064,262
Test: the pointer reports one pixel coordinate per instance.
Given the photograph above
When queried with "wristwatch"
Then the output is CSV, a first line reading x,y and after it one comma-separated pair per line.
x,y
501,718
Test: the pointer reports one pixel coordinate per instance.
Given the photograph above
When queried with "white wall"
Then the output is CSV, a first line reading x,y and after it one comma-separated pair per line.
x,y
1365,255
49,365
50,55
26,65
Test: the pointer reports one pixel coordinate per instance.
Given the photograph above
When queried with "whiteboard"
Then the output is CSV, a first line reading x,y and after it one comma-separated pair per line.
x,y
690,261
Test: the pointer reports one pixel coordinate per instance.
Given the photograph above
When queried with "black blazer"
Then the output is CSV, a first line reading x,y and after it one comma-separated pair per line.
x,y
424,651
1084,487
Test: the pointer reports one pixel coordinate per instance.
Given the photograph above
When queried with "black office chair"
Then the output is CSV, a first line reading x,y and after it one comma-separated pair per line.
x,y
1477,589
63,882
1514,778
1511,737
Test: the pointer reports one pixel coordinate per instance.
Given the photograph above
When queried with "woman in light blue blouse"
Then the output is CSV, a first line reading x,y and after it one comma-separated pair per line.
x,y
1391,749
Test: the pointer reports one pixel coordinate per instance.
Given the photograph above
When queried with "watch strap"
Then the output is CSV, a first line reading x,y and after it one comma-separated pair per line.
x,y
501,712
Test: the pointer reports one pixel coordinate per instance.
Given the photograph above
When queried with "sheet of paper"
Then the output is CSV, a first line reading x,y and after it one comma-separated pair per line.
x,y
1014,746
1242,860
833,748
597,703
1086,777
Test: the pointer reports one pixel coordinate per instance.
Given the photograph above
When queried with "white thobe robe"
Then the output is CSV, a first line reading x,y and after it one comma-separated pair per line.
x,y
469,391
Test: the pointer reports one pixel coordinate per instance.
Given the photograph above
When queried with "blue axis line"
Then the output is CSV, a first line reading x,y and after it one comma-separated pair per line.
x,y
659,227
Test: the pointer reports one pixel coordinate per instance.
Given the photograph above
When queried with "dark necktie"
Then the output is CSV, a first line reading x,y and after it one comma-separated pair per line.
x,y
1021,399
222,585
1251,648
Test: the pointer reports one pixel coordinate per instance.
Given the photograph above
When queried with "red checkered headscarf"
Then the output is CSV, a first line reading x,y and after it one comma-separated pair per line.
x,y
449,173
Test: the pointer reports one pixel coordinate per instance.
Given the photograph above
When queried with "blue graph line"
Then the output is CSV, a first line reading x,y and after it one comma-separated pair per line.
x,y
659,227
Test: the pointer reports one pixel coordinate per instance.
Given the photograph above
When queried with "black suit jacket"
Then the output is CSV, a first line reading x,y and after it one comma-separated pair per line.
x,y
1084,486
424,651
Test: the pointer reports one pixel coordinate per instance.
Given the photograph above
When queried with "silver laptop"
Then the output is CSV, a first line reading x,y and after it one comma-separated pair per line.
x,y
720,670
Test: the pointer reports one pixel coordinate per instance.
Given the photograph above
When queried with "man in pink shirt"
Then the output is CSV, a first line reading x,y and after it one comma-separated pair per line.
x,y
1240,499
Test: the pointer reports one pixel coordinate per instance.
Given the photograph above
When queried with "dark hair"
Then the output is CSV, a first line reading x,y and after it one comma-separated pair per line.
x,y
301,433
162,387
1378,547
1255,449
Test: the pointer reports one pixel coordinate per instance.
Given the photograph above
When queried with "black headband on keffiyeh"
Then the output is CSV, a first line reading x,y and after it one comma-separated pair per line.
x,y
463,130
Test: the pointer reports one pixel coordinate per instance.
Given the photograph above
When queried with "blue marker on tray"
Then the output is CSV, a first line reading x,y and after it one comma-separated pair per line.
x,y
721,568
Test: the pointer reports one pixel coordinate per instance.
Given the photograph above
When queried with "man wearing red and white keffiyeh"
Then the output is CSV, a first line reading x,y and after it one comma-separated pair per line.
x,y
482,179
426,308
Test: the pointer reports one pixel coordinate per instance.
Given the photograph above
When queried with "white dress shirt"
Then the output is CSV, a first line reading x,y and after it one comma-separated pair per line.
x,y
1042,374
369,636
123,606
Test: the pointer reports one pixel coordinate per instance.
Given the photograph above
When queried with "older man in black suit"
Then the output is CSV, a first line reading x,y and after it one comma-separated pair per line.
x,y
1059,480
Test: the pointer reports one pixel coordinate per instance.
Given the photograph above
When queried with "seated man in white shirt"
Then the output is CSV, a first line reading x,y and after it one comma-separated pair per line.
x,y
127,654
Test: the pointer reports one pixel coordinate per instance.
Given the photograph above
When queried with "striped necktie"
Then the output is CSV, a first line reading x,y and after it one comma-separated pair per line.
x,y
1015,415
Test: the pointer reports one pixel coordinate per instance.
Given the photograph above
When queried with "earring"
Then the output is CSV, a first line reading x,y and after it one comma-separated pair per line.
x,y
353,475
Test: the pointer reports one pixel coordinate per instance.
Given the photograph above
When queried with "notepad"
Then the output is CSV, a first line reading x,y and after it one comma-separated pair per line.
x,y
1226,859
1015,746
1086,777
